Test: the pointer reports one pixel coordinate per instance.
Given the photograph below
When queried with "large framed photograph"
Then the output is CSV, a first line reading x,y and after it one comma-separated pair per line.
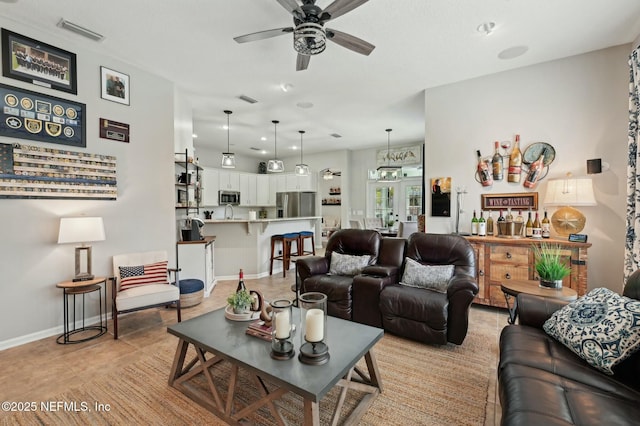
x,y
43,118
114,86
30,60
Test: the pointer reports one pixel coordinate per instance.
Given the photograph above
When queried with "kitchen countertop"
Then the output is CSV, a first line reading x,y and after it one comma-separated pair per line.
x,y
280,219
206,240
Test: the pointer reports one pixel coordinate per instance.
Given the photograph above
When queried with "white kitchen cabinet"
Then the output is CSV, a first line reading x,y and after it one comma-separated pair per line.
x,y
248,189
210,186
229,181
263,191
300,183
277,183
195,260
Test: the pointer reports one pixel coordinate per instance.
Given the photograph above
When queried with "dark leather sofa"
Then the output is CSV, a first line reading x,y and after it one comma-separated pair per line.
x,y
541,382
374,296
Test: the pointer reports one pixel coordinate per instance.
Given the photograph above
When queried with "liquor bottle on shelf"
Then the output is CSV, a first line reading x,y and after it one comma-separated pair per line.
x,y
474,224
482,225
509,216
537,228
528,228
534,171
490,225
545,226
500,218
515,162
241,285
496,163
486,179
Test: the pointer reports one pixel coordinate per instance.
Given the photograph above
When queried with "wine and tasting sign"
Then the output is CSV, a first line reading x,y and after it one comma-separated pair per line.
x,y
515,201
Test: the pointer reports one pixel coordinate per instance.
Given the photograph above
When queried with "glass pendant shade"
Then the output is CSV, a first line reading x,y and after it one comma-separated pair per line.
x,y
228,158
388,173
275,165
301,168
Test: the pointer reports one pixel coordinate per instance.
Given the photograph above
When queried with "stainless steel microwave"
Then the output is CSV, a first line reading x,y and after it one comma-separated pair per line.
x,y
229,197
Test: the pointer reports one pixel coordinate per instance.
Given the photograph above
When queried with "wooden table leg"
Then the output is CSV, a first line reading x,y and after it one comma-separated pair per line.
x,y
311,413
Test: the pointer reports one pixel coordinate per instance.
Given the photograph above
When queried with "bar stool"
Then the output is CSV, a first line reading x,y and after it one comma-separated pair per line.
x,y
304,235
285,240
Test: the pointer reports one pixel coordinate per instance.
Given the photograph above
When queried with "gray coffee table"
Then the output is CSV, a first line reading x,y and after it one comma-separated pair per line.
x,y
217,339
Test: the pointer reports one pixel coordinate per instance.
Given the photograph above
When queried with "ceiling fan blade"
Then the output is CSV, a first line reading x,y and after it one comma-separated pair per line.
x,y
339,8
350,42
292,7
261,35
302,62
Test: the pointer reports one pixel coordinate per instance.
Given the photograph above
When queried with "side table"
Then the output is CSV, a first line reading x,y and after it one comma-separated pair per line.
x,y
512,288
76,288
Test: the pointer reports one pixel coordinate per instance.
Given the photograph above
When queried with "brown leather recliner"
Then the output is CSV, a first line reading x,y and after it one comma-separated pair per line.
x,y
429,316
354,298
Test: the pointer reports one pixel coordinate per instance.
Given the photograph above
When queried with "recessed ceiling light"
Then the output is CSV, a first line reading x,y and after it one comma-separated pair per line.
x,y
486,28
195,136
305,105
294,147
264,138
285,87
513,52
225,127
263,152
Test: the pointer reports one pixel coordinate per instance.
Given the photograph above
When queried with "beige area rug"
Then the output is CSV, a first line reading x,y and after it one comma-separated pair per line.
x,y
422,384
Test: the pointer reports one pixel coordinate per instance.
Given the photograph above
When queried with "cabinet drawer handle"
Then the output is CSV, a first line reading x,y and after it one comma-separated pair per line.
x,y
481,273
508,255
507,276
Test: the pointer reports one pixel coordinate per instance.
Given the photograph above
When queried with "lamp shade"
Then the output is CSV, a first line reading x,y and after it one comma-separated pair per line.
x,y
80,230
570,192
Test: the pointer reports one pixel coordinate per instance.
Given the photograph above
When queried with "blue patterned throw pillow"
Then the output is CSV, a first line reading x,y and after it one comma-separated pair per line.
x,y
602,327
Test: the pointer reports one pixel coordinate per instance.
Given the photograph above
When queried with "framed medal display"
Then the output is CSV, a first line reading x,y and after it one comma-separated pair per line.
x,y
43,118
30,60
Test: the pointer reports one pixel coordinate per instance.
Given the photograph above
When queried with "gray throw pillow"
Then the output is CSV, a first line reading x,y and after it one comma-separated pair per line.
x,y
432,277
601,327
346,264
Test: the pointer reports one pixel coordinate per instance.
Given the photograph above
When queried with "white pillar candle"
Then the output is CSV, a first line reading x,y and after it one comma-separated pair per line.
x,y
283,324
314,331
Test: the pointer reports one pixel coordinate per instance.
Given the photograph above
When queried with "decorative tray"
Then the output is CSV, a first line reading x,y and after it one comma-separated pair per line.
x,y
249,316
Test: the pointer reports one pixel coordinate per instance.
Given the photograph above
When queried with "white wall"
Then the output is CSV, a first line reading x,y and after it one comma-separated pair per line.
x,y
142,217
579,105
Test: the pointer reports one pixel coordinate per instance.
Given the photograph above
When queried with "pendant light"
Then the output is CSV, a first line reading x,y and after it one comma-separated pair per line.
x,y
301,169
275,165
388,173
228,158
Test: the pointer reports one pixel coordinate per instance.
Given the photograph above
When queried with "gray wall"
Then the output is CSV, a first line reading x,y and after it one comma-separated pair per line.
x,y
142,217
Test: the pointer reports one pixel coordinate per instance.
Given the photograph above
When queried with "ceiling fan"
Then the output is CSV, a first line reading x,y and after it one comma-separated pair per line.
x,y
309,34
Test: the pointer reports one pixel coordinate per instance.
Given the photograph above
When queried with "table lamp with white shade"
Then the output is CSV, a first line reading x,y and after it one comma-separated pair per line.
x,y
569,193
81,230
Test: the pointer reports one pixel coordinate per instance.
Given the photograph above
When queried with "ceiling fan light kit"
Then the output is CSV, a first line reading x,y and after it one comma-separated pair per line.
x,y
309,34
228,158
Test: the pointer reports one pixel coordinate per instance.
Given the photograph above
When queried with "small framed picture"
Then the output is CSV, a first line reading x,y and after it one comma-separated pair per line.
x,y
30,60
114,86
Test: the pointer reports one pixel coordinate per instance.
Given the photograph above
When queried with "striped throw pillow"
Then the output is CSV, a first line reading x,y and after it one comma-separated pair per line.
x,y
153,273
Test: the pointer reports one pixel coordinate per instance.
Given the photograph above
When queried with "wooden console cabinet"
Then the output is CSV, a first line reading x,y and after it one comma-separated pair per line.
x,y
502,259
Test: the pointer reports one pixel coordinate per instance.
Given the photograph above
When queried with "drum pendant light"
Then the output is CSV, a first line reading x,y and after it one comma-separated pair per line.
x,y
228,158
301,169
275,165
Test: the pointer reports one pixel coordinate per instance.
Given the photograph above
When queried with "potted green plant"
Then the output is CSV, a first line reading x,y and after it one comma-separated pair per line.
x,y
549,265
240,302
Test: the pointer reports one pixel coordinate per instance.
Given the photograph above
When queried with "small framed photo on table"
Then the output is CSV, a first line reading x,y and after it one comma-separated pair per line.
x,y
114,86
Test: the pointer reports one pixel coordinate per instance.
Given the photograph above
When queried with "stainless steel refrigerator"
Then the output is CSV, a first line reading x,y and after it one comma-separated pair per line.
x,y
296,204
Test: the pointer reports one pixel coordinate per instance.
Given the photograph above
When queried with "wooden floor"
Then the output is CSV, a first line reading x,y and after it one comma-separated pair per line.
x,y
38,370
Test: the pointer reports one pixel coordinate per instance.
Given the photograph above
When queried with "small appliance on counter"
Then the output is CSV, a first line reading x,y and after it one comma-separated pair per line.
x,y
192,230
262,214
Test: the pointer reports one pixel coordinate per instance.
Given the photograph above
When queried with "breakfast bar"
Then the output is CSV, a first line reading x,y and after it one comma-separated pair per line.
x,y
244,243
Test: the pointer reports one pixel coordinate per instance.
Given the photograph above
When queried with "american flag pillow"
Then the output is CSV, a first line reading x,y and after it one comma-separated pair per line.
x,y
153,273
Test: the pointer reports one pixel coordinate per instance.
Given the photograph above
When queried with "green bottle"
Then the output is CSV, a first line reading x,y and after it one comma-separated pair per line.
x,y
474,224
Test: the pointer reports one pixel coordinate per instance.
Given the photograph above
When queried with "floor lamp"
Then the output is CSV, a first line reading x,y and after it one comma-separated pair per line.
x,y
81,230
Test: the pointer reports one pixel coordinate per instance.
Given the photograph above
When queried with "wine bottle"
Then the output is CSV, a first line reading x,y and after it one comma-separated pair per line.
x,y
528,228
241,286
474,224
519,220
509,216
483,171
534,171
496,163
490,225
500,218
482,225
501,225
545,226
537,228
515,162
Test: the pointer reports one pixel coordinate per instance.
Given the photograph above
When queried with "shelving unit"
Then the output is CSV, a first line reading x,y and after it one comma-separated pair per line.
x,y
187,183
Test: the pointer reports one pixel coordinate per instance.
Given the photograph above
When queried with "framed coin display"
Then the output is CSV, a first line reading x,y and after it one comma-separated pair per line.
x,y
43,118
